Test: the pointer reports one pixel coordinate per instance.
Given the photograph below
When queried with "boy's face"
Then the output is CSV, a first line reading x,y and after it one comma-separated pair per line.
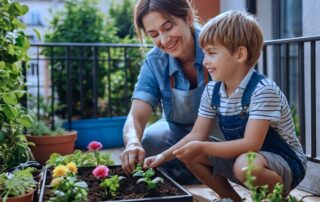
x,y
221,64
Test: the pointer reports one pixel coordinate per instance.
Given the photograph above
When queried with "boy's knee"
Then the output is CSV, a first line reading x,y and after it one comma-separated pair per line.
x,y
239,168
241,164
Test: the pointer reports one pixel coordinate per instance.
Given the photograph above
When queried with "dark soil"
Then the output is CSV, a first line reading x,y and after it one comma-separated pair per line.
x,y
128,188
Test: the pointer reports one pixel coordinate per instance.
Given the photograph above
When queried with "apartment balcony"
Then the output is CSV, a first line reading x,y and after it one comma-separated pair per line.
x,y
81,81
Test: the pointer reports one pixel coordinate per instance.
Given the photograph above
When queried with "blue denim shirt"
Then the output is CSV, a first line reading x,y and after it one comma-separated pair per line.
x,y
153,84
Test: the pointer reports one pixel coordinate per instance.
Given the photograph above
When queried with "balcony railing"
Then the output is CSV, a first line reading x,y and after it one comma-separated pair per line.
x,y
84,80
292,64
59,72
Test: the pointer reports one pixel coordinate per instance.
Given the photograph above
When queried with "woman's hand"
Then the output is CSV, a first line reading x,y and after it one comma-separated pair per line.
x,y
189,151
154,161
133,154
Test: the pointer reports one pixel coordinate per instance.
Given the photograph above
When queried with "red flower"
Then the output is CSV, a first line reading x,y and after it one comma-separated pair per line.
x,y
94,146
101,171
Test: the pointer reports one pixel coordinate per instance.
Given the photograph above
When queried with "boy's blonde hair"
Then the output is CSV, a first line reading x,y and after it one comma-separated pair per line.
x,y
233,29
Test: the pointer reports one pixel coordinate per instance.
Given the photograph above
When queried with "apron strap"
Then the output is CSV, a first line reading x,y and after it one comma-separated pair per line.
x,y
205,74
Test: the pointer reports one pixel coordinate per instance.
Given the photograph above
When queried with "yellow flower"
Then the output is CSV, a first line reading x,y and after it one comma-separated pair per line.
x,y
72,167
56,181
60,171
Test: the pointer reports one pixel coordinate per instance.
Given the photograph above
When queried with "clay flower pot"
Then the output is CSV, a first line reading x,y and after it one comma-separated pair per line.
x,y
46,145
24,198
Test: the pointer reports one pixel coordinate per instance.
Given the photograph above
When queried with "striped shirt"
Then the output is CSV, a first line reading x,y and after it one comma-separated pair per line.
x,y
267,102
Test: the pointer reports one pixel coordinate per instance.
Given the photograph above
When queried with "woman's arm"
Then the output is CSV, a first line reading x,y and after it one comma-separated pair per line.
x,y
132,133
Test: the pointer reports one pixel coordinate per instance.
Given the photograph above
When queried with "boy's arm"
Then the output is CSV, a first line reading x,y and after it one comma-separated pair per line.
x,y
255,133
253,139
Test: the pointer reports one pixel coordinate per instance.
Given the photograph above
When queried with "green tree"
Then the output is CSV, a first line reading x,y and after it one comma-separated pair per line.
x,y
13,117
80,21
121,15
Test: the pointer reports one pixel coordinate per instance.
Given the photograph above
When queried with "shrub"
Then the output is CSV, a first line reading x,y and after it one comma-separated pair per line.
x,y
13,117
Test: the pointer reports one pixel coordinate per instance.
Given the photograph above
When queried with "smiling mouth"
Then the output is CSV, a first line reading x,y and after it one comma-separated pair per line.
x,y
211,70
172,46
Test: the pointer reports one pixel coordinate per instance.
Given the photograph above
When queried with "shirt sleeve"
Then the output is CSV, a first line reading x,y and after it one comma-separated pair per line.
x,y
205,108
147,88
265,104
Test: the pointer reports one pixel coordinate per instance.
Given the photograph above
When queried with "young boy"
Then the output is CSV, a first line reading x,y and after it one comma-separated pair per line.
x,y
253,113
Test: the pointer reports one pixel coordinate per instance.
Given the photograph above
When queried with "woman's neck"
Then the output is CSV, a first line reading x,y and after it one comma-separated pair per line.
x,y
189,54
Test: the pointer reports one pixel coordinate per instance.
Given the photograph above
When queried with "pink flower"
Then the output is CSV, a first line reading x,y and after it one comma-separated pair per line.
x,y
101,171
94,146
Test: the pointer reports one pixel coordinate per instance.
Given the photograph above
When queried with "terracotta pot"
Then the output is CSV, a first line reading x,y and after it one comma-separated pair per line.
x,y
46,145
24,198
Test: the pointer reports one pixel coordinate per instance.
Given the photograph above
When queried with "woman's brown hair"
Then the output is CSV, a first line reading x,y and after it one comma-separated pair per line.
x,y
168,8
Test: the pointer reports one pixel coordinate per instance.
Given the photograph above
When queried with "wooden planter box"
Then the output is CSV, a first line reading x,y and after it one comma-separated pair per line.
x,y
182,195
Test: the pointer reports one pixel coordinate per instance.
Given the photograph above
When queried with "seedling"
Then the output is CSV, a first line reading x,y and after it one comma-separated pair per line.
x,y
260,193
111,184
146,176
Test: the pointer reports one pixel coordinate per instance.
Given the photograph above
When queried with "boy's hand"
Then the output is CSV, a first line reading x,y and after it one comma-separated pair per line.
x,y
154,161
189,151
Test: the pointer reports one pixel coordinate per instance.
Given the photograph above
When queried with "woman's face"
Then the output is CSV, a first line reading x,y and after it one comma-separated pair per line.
x,y
174,37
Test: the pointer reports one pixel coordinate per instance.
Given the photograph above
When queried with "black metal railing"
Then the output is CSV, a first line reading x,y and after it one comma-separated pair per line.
x,y
85,80
292,64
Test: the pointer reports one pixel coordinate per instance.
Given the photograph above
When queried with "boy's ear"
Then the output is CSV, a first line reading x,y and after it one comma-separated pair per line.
x,y
242,54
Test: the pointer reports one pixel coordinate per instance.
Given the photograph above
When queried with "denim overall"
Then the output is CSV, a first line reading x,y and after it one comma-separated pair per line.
x,y
233,128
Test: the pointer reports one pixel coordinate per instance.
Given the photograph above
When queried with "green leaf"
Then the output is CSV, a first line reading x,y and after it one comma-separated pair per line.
x,y
10,99
10,112
1,117
2,65
21,9
1,137
157,180
141,180
19,93
138,174
81,184
26,121
37,33
10,49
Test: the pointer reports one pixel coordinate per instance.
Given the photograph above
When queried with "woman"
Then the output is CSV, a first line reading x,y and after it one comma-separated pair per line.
x,y
173,75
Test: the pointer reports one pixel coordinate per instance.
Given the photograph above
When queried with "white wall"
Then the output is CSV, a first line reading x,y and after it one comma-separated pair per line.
x,y
226,5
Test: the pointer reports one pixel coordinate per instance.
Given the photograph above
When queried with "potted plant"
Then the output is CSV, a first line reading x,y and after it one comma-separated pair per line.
x,y
49,140
13,117
17,186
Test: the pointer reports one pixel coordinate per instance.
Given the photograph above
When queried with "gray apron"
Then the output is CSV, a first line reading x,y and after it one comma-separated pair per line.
x,y
185,104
